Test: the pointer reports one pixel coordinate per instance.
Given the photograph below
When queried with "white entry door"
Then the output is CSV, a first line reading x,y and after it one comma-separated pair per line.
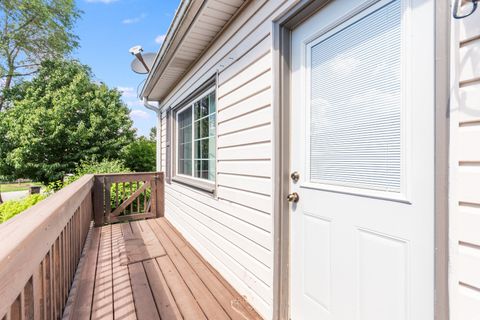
x,y
362,143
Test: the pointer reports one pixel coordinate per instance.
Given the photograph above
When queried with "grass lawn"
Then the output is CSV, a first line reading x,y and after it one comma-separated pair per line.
x,y
9,187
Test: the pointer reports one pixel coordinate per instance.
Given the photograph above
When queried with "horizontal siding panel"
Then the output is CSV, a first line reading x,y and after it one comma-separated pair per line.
x,y
248,247
258,50
253,119
467,188
469,27
468,266
259,100
251,72
252,184
467,223
254,135
258,84
470,61
249,168
261,294
252,200
468,137
254,217
245,261
468,306
246,228
261,151
469,103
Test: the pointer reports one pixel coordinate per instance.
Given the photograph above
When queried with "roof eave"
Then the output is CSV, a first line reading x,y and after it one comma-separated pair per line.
x,y
172,33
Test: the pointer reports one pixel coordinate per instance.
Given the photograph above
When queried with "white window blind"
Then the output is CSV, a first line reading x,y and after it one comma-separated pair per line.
x,y
355,115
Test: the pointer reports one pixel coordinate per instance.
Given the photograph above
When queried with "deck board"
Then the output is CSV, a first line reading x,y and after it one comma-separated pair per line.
x,y
142,294
209,305
234,304
123,305
102,306
164,300
147,270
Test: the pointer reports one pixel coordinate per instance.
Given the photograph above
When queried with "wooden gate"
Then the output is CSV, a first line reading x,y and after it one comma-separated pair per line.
x,y
121,197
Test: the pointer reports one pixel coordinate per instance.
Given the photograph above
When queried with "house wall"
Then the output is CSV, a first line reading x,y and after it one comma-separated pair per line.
x,y
233,229
464,275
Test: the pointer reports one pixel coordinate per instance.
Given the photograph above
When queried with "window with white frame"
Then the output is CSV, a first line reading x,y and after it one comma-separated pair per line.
x,y
196,138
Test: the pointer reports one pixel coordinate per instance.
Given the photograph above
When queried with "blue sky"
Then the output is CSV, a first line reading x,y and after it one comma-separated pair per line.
x,y
108,29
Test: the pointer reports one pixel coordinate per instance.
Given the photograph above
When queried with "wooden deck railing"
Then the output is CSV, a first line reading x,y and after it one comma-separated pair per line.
x,y
41,247
121,197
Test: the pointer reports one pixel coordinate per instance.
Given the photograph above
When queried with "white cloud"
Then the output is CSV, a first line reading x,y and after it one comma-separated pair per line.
x,y
134,103
101,1
127,92
139,115
135,19
159,39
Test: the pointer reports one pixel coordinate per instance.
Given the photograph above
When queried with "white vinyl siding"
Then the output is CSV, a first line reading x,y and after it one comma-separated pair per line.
x,y
355,103
464,276
233,230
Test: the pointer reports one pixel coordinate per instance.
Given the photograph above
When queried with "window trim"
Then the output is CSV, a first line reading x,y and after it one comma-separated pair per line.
x,y
199,183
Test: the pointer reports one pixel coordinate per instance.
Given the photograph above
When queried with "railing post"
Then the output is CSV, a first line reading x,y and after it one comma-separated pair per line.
x,y
98,201
153,195
160,194
107,182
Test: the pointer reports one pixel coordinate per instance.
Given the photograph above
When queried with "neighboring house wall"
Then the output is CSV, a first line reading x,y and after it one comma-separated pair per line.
x,y
464,279
233,230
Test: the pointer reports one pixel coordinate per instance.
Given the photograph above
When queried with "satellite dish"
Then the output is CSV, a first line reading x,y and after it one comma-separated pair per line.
x,y
144,66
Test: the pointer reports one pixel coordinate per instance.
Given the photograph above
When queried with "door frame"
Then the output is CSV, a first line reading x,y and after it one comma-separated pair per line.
x,y
282,28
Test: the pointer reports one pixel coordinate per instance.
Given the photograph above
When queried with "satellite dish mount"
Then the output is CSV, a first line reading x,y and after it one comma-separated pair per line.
x,y
142,62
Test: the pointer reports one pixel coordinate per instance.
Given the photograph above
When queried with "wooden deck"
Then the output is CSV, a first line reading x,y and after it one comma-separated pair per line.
x,y
147,270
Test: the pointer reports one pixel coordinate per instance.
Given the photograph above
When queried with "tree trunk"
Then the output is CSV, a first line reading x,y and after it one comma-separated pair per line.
x,y
1,200
8,83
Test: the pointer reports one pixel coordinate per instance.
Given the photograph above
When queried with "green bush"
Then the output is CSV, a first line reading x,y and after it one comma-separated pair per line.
x,y
139,155
94,167
89,167
11,208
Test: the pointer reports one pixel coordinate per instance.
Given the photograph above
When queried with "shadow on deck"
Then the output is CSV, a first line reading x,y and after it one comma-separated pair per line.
x,y
146,270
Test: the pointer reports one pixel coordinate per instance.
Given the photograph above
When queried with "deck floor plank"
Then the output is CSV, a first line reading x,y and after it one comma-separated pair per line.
x,y
207,301
186,303
123,305
147,270
140,242
232,302
142,294
166,305
103,294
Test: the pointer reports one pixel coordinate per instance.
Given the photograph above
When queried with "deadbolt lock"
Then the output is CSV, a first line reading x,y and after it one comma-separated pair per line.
x,y
295,176
293,197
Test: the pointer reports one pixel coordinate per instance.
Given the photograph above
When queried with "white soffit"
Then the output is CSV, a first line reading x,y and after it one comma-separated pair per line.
x,y
186,41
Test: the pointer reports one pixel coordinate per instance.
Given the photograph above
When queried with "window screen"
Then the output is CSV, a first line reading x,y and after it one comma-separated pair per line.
x,y
355,115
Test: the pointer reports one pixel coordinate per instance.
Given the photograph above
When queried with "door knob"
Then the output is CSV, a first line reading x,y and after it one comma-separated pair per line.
x,y
293,197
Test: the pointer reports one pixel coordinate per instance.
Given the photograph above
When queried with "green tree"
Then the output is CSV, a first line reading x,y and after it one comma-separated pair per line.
x,y
31,32
153,134
58,119
139,155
